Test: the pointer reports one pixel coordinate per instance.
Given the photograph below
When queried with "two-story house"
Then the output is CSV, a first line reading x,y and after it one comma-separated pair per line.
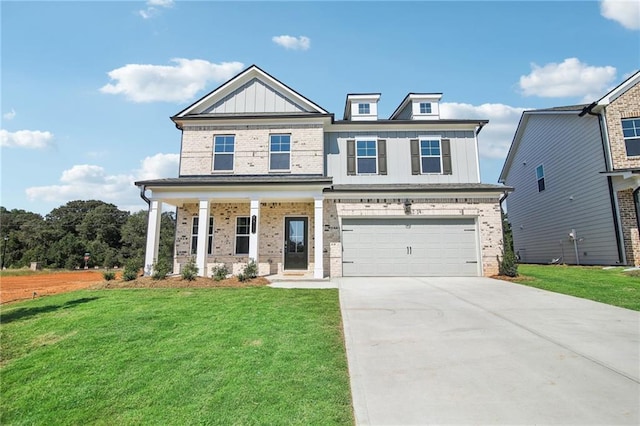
x,y
575,172
266,174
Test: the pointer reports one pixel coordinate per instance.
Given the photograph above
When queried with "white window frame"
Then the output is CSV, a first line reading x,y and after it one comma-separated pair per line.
x,y
375,144
235,239
280,152
542,178
194,235
233,154
430,138
368,108
635,137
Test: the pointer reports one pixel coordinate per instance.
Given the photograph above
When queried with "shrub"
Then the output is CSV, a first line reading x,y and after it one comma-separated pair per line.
x,y
131,270
251,270
508,265
220,272
109,275
190,270
161,269
242,277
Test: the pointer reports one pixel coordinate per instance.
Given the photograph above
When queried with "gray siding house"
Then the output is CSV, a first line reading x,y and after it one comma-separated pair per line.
x,y
268,175
575,178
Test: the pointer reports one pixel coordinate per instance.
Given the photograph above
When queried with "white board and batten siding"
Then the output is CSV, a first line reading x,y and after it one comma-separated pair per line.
x,y
576,194
463,157
254,97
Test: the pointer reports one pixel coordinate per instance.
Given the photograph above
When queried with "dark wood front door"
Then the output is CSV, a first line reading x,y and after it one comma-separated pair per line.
x,y
295,243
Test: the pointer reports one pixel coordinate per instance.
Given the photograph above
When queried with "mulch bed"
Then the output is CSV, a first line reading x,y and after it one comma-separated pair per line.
x,y
178,282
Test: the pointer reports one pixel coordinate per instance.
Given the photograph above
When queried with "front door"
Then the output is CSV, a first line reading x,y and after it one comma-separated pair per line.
x,y
295,243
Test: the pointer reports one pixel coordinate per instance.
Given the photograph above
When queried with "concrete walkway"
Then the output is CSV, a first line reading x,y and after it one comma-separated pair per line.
x,y
482,351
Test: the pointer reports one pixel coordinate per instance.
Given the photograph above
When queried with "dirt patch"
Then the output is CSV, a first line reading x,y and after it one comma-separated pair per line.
x,y
518,279
31,286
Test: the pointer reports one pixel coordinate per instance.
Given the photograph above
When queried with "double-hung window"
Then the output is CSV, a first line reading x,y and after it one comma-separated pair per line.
x,y
425,107
194,235
540,178
366,156
279,152
631,133
430,156
223,148
243,227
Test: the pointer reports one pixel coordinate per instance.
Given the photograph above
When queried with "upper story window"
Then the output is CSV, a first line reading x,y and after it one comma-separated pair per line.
x,y
425,107
194,235
430,156
223,148
243,226
540,177
280,152
631,133
366,157
364,109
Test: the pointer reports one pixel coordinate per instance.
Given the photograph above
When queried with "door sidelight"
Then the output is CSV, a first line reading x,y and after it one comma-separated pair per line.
x,y
409,250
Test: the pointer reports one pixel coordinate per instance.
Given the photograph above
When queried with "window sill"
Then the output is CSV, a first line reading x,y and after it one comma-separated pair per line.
x,y
283,171
222,172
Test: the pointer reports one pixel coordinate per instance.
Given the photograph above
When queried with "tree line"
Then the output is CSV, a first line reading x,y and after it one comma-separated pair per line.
x,y
60,239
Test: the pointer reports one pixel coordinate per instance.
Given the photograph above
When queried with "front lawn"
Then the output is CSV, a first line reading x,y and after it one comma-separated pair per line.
x,y
175,356
611,286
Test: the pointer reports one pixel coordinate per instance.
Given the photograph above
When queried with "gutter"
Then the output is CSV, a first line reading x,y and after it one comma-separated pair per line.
x,y
143,189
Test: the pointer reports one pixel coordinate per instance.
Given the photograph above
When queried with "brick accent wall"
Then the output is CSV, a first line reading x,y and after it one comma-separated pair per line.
x,y
629,225
252,148
626,106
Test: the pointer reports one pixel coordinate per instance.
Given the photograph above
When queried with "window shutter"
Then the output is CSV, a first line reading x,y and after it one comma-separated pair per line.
x,y
415,157
382,156
445,145
351,157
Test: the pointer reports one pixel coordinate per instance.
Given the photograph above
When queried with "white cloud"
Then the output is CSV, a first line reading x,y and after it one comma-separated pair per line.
x,y
495,138
570,78
86,182
625,12
153,8
9,115
25,139
293,43
176,83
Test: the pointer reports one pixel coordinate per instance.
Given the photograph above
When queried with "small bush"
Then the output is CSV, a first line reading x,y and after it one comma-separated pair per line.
x,y
190,270
220,272
242,277
251,270
109,275
508,266
131,270
160,269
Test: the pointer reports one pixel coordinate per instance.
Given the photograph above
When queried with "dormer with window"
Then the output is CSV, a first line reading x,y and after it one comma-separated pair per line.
x,y
362,107
418,106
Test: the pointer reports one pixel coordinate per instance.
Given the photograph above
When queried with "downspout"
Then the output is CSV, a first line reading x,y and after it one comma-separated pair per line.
x,y
475,136
608,167
635,203
143,189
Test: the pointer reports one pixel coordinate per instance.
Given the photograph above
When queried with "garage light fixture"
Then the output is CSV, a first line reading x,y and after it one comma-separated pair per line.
x,y
407,206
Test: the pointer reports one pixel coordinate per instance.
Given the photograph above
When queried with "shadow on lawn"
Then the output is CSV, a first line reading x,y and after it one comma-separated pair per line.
x,y
22,313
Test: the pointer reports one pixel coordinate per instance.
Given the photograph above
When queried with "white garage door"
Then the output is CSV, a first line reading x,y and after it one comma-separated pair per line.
x,y
409,247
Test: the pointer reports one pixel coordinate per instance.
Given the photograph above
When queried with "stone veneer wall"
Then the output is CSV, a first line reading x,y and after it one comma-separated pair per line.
x,y
629,224
251,155
271,229
626,106
487,211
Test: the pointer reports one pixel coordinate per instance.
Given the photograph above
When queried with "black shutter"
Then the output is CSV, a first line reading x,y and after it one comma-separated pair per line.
x,y
382,157
415,157
446,156
351,157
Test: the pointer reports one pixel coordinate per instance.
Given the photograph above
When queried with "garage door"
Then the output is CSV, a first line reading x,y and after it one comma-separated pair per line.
x,y
409,247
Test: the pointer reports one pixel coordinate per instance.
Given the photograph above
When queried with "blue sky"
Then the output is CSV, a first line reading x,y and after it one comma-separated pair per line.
x,y
87,88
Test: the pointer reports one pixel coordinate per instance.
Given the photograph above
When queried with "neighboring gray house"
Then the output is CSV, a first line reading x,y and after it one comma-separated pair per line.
x,y
575,172
266,174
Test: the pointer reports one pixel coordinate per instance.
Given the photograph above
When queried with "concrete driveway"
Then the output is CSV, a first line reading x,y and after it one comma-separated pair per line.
x,y
482,351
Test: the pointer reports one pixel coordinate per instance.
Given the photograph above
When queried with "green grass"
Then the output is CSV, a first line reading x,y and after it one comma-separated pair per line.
x,y
23,272
611,286
175,356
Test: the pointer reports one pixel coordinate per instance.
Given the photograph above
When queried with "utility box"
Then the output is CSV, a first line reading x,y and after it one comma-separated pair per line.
x,y
35,266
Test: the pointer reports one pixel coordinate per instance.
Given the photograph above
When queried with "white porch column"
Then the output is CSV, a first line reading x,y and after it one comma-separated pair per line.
x,y
203,233
318,258
153,236
253,236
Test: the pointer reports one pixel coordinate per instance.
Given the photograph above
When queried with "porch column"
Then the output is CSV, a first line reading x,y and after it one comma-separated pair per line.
x,y
153,236
318,258
203,231
254,219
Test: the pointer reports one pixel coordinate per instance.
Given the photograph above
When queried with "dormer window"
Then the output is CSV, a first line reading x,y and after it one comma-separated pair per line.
x,y
364,109
361,106
425,107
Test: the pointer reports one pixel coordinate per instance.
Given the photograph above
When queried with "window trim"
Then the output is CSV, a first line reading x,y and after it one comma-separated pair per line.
x,y
635,138
194,236
430,138
541,179
233,154
375,145
248,235
271,170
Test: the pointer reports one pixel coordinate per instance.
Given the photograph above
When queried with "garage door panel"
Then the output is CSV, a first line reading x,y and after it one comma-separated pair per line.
x,y
406,247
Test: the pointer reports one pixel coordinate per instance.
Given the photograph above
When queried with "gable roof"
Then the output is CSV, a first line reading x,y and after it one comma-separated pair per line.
x,y
251,79
620,89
